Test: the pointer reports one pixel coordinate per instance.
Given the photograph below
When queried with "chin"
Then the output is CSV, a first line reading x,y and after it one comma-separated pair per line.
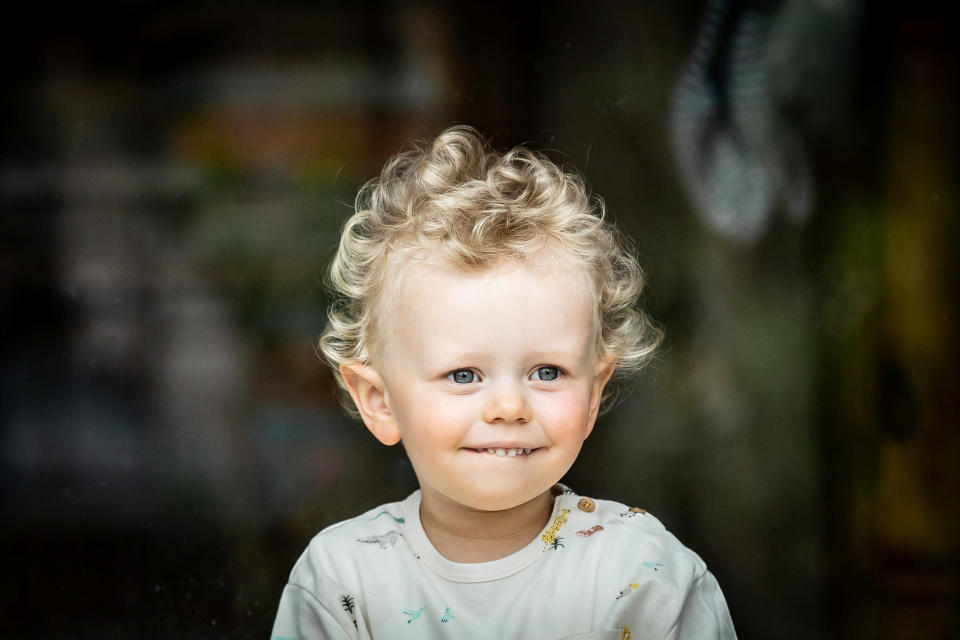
x,y
500,501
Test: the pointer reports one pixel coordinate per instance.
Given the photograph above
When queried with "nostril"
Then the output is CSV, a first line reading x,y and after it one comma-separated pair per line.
x,y
508,407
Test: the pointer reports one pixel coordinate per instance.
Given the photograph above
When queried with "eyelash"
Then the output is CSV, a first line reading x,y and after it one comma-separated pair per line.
x,y
476,376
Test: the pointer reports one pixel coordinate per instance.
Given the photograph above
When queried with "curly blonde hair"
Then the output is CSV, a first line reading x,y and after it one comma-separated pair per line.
x,y
458,201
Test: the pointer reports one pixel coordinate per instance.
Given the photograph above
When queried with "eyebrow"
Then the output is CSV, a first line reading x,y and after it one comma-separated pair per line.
x,y
452,360
564,350
475,358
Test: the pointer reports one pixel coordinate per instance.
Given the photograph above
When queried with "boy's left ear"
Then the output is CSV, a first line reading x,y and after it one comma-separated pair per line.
x,y
604,370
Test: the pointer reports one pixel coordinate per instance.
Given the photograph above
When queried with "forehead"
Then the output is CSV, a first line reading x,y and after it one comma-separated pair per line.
x,y
546,262
406,277
543,303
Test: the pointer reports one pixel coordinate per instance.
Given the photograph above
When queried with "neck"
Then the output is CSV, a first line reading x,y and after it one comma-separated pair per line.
x,y
462,534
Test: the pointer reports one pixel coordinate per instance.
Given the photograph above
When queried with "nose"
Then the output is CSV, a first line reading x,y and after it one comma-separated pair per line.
x,y
507,404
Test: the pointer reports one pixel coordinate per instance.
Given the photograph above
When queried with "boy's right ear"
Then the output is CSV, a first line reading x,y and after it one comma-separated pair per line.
x,y
367,389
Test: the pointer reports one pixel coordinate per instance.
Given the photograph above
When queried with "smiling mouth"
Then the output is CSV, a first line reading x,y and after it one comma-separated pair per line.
x,y
508,453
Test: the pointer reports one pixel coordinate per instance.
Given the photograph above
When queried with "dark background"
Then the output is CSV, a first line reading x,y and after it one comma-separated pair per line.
x,y
172,181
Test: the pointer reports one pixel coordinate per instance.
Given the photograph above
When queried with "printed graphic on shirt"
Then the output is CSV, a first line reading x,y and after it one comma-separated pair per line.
x,y
447,616
550,535
586,533
633,512
346,601
399,519
557,543
627,590
388,539
625,634
414,613
653,565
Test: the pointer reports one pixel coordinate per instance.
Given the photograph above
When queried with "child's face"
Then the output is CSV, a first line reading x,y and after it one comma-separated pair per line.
x,y
502,360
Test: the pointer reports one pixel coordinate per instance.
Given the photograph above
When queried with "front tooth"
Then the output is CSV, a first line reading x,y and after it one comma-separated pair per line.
x,y
501,452
526,450
490,451
511,452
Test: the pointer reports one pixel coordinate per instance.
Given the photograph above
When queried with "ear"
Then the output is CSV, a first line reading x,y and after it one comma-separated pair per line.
x,y
605,367
367,389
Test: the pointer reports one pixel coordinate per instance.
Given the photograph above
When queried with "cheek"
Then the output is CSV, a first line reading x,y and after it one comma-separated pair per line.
x,y
564,413
435,418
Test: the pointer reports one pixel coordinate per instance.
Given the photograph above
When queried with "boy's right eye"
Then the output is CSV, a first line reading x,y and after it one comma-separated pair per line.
x,y
463,376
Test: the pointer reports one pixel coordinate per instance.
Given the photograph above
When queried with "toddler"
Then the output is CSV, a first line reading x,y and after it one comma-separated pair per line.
x,y
483,308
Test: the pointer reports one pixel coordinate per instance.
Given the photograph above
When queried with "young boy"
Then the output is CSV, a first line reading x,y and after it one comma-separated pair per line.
x,y
483,306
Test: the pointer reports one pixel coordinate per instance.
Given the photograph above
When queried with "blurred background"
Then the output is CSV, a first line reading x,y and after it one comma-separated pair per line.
x,y
173,176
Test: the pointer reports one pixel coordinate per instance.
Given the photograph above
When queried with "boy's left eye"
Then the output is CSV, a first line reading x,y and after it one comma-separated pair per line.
x,y
463,376
546,373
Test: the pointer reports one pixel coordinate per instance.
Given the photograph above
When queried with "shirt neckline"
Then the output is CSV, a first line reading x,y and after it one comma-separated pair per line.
x,y
471,571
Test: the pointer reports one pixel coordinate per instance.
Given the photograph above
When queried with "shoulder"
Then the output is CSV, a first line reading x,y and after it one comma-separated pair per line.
x,y
371,527
635,544
640,573
343,550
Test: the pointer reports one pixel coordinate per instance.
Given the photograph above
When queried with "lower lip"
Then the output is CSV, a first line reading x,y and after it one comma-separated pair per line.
x,y
494,455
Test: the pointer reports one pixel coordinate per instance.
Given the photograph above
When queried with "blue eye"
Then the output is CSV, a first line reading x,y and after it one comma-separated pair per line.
x,y
463,376
546,373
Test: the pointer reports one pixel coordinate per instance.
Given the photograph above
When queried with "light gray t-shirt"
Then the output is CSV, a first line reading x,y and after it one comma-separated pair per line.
x,y
598,570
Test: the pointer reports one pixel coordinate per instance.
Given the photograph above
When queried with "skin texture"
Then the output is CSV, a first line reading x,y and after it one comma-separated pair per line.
x,y
500,358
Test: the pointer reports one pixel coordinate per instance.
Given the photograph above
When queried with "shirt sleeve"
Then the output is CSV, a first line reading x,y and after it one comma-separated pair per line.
x,y
301,616
704,614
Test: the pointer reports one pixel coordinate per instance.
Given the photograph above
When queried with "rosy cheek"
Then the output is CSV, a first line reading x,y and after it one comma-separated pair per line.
x,y
566,413
441,420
